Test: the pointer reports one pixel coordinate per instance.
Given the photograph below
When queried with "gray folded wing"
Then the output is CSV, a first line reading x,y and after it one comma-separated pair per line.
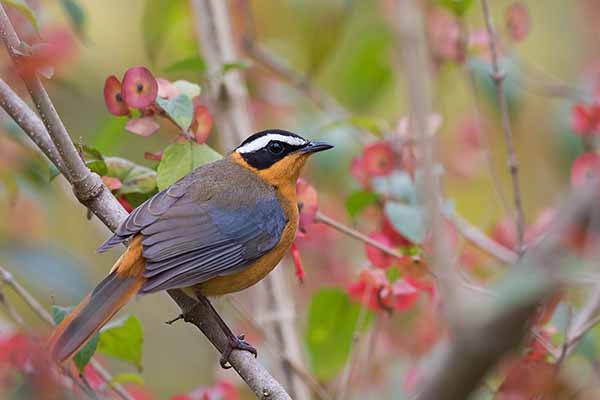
x,y
189,238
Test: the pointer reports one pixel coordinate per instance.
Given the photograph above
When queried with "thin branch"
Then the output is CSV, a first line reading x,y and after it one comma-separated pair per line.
x,y
94,195
499,77
28,121
353,233
484,242
417,69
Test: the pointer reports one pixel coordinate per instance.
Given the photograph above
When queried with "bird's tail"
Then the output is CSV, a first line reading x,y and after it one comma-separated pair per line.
x,y
98,307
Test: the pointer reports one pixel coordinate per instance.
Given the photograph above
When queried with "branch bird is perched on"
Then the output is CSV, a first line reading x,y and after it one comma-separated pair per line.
x,y
220,229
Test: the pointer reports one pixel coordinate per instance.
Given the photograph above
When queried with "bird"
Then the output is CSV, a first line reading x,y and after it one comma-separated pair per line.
x,y
220,229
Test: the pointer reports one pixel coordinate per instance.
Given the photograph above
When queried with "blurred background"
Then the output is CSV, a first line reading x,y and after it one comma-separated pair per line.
x,y
350,51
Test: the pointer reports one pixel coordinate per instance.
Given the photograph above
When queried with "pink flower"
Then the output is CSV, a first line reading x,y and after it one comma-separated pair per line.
x,y
585,169
139,87
113,97
378,159
377,257
585,119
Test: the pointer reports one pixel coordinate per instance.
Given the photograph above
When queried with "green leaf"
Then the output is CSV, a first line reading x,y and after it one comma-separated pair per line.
x,y
22,6
93,159
393,274
53,172
127,377
458,7
482,71
158,18
180,109
398,185
190,89
332,321
406,219
232,66
83,357
123,339
76,16
135,178
110,135
359,200
194,64
374,125
179,159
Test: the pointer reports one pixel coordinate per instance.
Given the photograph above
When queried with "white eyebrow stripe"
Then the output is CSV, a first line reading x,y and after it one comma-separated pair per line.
x,y
262,141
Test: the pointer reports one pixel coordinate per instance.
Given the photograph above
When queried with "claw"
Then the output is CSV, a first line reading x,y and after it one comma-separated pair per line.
x,y
172,321
237,343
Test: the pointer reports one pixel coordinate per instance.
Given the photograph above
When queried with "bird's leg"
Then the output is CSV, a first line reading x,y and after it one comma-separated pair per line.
x,y
233,341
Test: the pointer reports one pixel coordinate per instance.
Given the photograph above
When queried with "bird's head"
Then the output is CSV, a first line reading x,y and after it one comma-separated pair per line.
x,y
277,156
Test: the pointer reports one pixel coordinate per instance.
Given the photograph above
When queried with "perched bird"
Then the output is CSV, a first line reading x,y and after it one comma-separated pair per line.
x,y
220,229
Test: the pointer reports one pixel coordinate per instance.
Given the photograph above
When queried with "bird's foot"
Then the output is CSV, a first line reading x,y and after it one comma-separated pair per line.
x,y
172,321
235,343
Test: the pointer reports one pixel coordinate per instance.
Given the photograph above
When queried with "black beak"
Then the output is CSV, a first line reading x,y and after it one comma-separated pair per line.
x,y
314,147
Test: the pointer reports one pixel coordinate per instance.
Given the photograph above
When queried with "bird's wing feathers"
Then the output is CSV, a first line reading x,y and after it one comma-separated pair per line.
x,y
190,237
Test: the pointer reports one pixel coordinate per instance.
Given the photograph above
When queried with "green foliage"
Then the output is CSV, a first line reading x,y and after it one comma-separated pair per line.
x,y
359,200
406,219
458,7
376,126
180,109
362,69
123,339
93,159
332,321
127,377
194,64
135,178
398,185
179,159
482,70
393,274
159,16
236,65
76,16
188,89
110,135
83,356
22,6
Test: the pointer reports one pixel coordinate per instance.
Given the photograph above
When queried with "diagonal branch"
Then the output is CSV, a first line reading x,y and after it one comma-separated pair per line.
x,y
97,198
499,77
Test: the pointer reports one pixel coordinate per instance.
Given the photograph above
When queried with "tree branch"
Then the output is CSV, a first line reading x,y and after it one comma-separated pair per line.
x,y
499,77
93,194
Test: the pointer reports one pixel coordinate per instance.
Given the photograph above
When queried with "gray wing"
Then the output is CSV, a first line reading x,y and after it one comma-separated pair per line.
x,y
186,241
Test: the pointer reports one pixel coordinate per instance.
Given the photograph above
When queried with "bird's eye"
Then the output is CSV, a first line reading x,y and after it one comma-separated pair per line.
x,y
275,148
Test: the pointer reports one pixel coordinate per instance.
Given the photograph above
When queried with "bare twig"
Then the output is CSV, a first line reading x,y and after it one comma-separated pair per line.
x,y
411,35
484,242
91,192
499,77
353,233
28,121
